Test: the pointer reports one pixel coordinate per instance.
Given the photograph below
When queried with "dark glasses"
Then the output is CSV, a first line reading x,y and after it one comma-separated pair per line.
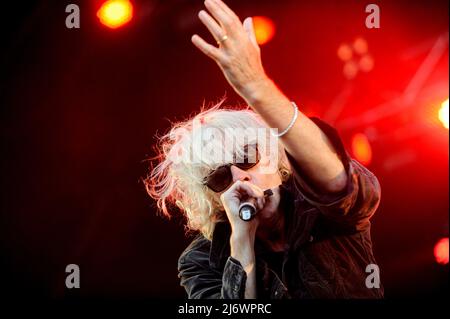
x,y
219,179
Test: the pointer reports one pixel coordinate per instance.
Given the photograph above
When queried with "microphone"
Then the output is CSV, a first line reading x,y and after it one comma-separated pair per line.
x,y
247,209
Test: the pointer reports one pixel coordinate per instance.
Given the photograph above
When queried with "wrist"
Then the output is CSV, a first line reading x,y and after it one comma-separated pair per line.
x,y
260,91
242,249
242,239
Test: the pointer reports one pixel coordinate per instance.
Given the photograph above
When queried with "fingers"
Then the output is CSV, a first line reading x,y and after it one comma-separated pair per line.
x,y
211,24
226,9
208,49
255,192
260,202
243,189
220,14
249,189
248,27
219,24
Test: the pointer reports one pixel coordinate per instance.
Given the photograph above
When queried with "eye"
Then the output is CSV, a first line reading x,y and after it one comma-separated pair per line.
x,y
215,174
219,172
219,179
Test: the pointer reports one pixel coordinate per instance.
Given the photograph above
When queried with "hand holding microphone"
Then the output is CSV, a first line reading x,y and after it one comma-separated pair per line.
x,y
247,209
241,202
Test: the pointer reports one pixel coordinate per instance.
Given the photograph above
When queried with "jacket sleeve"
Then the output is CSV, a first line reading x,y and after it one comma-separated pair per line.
x,y
203,282
355,205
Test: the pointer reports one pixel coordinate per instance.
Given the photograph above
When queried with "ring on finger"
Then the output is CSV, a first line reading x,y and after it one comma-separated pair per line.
x,y
222,39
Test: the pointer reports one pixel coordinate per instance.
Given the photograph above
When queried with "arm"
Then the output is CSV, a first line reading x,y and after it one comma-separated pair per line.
x,y
242,239
202,282
240,60
238,280
315,154
242,249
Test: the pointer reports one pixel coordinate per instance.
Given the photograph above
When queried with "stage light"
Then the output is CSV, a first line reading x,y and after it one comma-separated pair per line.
x,y
350,70
366,63
264,29
362,151
360,46
443,114
115,13
345,52
441,251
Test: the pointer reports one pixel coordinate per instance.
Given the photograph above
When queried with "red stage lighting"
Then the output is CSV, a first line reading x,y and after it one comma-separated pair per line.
x,y
441,251
345,52
264,29
115,13
362,151
443,114
360,46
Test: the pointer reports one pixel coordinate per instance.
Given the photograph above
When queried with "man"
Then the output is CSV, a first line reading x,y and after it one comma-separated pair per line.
x,y
311,238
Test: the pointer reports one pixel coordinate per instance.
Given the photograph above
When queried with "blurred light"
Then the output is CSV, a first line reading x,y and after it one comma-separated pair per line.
x,y
362,151
441,251
366,63
350,69
115,13
360,46
443,113
344,52
264,29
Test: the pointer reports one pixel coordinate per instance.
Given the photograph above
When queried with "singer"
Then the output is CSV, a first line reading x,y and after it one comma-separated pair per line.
x,y
311,237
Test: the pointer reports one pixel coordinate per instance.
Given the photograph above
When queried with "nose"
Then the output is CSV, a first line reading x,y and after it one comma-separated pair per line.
x,y
239,174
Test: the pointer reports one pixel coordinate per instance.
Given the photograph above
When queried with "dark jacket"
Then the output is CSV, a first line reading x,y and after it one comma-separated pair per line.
x,y
327,250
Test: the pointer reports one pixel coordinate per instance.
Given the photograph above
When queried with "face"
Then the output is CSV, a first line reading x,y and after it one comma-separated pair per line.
x,y
222,178
263,181
254,176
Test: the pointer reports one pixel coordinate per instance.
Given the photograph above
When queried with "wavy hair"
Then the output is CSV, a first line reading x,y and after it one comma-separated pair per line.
x,y
175,180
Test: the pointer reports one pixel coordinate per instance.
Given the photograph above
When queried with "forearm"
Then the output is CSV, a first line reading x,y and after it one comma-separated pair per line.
x,y
242,249
305,141
239,58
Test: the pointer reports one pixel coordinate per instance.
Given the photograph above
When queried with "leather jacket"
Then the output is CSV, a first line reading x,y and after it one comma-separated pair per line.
x,y
328,243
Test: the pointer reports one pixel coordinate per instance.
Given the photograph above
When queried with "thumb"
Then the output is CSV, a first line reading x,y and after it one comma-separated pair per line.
x,y
248,27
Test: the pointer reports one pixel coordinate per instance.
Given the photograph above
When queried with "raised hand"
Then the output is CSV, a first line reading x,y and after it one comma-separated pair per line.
x,y
237,52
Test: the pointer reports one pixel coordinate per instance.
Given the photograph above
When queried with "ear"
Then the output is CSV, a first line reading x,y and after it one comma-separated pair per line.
x,y
248,27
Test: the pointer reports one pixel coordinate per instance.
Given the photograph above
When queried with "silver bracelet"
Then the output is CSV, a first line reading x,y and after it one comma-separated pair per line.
x,y
294,118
